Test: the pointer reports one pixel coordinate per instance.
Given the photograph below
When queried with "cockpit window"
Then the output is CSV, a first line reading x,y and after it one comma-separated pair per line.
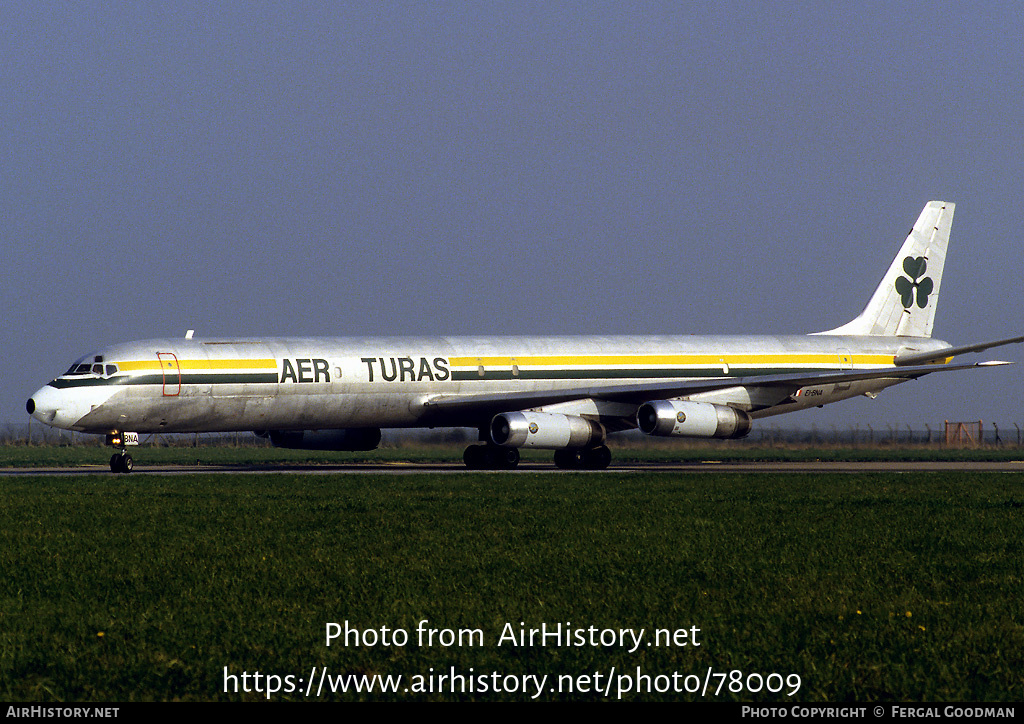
x,y
91,366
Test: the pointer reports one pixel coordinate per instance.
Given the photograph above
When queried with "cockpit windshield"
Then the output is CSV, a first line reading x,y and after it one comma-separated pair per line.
x,y
91,365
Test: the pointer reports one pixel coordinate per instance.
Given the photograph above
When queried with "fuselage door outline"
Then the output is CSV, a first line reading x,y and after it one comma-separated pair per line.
x,y
845,365
170,369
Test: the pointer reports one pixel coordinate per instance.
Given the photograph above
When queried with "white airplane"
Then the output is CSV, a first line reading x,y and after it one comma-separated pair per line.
x,y
560,393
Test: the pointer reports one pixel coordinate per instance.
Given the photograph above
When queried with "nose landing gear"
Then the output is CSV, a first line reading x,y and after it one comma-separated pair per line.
x,y
121,461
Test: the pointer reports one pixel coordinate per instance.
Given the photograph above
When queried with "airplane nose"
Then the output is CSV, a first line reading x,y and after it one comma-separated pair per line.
x,y
65,407
44,405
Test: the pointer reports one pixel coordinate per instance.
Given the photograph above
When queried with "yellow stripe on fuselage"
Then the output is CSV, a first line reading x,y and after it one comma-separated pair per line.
x,y
201,364
673,360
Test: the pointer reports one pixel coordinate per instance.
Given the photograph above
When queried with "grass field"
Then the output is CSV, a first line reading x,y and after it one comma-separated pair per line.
x,y
869,587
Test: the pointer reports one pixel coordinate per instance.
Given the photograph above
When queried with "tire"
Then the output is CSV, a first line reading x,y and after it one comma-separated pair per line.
x,y
475,457
597,458
502,458
568,459
121,463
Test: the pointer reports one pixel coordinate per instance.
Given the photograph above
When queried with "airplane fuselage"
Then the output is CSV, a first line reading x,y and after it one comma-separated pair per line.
x,y
181,385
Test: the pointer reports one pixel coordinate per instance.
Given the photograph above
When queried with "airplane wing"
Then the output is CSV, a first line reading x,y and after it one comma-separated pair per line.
x,y
638,393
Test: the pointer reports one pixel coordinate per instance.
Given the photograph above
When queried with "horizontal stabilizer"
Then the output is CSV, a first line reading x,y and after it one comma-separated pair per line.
x,y
908,356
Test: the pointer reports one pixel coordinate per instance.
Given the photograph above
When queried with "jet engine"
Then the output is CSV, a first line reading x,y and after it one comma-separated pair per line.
x,y
682,418
361,438
545,430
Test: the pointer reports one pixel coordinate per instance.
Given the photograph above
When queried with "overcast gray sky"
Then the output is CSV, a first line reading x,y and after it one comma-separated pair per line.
x,y
489,168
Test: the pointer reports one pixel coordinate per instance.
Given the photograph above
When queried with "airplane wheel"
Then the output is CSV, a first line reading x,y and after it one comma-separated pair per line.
x,y
502,458
490,457
569,459
121,463
597,458
475,457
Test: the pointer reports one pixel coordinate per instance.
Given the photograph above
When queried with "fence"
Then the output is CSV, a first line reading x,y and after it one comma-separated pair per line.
x,y
948,434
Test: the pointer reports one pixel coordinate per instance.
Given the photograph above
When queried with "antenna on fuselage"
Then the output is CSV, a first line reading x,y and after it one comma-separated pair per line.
x,y
189,333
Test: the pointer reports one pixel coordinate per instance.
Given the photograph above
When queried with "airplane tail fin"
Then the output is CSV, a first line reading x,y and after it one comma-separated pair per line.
x,y
904,303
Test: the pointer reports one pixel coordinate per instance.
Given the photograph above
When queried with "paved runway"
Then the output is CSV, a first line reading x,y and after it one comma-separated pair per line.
x,y
693,468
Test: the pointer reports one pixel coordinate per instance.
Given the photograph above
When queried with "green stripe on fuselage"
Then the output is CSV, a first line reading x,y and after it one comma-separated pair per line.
x,y
186,379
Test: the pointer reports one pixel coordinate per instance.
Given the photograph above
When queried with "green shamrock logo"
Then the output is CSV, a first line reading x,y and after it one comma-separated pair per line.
x,y
915,269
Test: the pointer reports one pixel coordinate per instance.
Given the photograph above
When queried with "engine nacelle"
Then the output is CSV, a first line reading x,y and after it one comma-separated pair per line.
x,y
682,418
362,438
544,430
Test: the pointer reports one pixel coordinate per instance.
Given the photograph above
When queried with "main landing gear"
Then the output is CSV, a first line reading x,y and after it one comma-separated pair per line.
x,y
594,458
496,457
491,457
